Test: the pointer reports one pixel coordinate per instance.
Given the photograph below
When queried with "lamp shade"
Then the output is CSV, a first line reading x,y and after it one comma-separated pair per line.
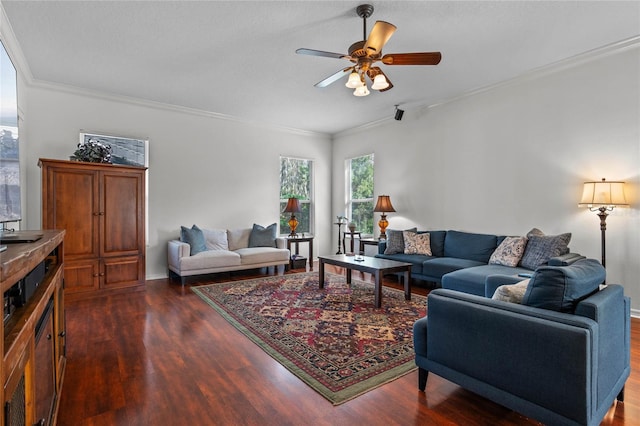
x,y
603,193
384,204
293,206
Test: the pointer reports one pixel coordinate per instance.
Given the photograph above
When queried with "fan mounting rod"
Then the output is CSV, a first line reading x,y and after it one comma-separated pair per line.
x,y
364,11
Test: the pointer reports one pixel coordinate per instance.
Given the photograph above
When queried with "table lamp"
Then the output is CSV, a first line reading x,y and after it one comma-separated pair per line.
x,y
293,207
383,206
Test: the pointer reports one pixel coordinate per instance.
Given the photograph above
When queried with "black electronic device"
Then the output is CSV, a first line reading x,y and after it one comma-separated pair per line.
x,y
15,237
32,281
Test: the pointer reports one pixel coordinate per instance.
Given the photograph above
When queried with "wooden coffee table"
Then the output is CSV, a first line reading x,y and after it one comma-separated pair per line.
x,y
372,265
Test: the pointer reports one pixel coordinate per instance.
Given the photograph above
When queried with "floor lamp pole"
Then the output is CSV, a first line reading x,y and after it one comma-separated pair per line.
x,y
602,214
339,247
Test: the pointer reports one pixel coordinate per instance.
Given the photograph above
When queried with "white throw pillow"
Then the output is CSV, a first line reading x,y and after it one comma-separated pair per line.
x,y
513,293
216,239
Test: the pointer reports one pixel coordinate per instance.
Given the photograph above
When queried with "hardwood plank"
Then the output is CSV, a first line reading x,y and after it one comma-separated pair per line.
x,y
163,356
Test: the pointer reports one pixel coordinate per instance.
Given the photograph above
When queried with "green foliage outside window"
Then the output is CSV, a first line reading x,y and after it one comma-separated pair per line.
x,y
361,193
295,182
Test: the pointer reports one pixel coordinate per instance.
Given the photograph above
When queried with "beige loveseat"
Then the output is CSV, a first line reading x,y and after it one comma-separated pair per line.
x,y
227,250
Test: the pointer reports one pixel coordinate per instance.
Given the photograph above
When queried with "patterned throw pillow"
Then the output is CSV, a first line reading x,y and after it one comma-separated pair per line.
x,y
509,252
194,237
513,293
540,248
415,243
395,241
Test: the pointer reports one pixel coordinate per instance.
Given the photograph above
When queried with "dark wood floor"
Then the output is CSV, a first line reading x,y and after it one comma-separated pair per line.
x,y
164,357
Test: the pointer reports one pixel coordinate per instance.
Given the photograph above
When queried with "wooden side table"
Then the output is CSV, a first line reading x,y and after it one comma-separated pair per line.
x,y
297,241
353,234
367,242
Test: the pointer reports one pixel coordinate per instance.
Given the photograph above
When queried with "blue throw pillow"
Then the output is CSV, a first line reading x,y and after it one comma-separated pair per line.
x,y
263,237
194,237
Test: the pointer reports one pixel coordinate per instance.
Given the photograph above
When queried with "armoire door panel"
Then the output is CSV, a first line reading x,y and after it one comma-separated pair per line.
x,y
123,216
123,272
81,276
74,209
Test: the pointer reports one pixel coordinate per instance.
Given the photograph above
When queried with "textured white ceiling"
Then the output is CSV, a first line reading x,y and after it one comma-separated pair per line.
x,y
237,58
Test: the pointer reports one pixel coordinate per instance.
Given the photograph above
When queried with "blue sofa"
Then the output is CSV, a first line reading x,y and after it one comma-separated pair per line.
x,y
561,356
459,260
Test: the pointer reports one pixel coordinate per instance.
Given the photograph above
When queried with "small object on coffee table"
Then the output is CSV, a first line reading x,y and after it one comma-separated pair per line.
x,y
372,265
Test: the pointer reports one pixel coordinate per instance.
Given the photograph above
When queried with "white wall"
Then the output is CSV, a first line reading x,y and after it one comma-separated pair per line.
x,y
213,172
514,157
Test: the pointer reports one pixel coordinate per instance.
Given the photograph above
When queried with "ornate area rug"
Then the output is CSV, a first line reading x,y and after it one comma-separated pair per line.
x,y
333,339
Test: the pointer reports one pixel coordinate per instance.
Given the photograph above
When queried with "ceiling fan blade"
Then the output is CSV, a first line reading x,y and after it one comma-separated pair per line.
x,y
424,58
372,72
303,51
334,77
380,34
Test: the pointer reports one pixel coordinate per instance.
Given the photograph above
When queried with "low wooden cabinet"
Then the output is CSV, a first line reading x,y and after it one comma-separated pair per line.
x,y
34,331
102,209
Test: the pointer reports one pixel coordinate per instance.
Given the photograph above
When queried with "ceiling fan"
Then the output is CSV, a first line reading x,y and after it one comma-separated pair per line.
x,y
364,54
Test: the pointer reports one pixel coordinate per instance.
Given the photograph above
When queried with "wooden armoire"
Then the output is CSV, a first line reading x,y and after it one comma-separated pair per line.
x,y
102,209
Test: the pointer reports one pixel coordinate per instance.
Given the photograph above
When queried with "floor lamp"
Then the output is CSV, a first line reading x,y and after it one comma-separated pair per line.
x,y
602,197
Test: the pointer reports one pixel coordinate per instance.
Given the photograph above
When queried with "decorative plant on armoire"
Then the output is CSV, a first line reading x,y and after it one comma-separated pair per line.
x,y
92,151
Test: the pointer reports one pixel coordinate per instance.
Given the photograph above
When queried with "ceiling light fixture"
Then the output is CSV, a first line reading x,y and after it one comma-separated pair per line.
x,y
361,91
354,80
380,82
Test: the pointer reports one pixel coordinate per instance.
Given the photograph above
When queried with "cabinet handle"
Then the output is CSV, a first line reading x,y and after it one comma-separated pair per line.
x,y
102,274
96,213
40,423
96,275
62,333
101,213
49,336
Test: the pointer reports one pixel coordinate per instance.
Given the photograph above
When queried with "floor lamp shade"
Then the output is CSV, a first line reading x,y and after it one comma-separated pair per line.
x,y
383,206
293,207
603,196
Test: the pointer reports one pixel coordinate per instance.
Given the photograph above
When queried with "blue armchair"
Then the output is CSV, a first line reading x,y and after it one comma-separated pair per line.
x,y
561,362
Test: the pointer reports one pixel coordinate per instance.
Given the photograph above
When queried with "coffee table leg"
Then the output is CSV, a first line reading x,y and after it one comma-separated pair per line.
x,y
321,273
407,285
348,276
378,290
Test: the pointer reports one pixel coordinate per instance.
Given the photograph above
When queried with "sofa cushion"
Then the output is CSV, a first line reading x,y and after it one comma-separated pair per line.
x,y
437,242
415,243
472,280
395,241
263,237
540,248
257,255
416,260
216,239
209,259
509,252
467,245
513,293
560,288
194,237
238,238
439,266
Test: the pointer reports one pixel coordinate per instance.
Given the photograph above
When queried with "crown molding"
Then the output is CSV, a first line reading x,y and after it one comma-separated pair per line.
x,y
553,68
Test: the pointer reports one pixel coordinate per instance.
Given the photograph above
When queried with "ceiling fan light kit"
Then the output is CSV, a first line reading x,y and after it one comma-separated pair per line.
x,y
363,54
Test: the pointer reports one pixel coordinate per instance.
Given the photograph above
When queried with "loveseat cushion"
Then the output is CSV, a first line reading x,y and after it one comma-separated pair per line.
x,y
238,238
257,255
560,288
209,259
466,245
216,239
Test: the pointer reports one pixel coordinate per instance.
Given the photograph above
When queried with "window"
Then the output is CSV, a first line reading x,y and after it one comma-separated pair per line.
x,y
296,177
360,193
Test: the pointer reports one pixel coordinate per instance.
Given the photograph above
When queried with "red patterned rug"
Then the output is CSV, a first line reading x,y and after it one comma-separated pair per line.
x,y
333,339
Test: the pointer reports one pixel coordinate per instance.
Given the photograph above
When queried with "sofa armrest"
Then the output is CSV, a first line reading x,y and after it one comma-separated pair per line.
x,y
565,259
536,355
281,243
176,250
